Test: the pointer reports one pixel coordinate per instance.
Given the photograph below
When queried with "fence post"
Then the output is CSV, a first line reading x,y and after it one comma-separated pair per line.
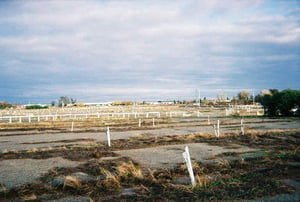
x,y
187,158
153,122
218,128
108,136
242,127
72,126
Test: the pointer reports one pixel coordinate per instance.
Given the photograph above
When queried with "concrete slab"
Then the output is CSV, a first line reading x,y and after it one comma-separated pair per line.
x,y
19,172
169,156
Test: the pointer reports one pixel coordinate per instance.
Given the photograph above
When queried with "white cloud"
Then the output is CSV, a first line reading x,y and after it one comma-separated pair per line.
x,y
174,43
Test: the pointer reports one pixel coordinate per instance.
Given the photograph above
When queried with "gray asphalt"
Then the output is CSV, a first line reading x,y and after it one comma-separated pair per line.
x,y
32,140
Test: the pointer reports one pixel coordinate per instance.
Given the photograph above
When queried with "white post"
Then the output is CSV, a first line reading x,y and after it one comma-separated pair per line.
x,y
139,123
10,119
29,119
38,118
72,126
153,122
20,119
215,131
218,128
208,121
187,158
242,127
108,136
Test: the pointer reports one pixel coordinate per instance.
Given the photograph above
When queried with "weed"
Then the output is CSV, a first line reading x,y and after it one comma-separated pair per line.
x,y
71,182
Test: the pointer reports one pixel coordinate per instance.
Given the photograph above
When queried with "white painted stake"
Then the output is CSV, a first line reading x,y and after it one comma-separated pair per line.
x,y
208,121
187,158
215,129
242,127
72,126
153,122
218,129
139,123
108,136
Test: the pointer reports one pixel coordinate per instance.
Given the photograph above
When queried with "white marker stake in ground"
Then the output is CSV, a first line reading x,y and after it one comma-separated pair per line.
x,y
153,122
72,126
215,131
208,121
187,158
242,127
139,123
218,128
108,136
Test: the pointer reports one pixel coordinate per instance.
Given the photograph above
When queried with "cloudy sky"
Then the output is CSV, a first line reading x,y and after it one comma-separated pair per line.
x,y
146,49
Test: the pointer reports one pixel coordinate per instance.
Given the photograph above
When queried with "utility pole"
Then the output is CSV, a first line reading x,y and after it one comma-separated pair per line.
x,y
199,98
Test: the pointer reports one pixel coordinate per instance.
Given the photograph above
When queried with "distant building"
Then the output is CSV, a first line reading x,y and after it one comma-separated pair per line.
x,y
95,104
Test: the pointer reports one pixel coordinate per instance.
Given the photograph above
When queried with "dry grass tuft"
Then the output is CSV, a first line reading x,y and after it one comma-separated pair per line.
x,y
224,164
203,180
72,182
111,181
29,197
129,169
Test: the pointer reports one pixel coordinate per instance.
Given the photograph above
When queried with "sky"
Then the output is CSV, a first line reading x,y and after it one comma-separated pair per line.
x,y
106,50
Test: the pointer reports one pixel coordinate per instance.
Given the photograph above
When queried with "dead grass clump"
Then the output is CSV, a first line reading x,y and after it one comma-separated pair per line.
x,y
224,164
197,168
111,181
203,180
28,197
129,170
71,182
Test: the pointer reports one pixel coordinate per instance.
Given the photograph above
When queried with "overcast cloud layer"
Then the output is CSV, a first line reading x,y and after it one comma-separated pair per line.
x,y
146,50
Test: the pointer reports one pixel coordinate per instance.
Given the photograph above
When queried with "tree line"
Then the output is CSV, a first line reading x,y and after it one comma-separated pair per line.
x,y
280,103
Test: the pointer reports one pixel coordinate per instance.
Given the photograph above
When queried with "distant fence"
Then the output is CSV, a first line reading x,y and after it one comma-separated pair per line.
x,y
53,117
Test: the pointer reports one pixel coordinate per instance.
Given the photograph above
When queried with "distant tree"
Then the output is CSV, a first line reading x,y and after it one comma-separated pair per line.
x,y
270,102
53,103
234,100
4,105
64,101
36,107
289,100
243,97
285,103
